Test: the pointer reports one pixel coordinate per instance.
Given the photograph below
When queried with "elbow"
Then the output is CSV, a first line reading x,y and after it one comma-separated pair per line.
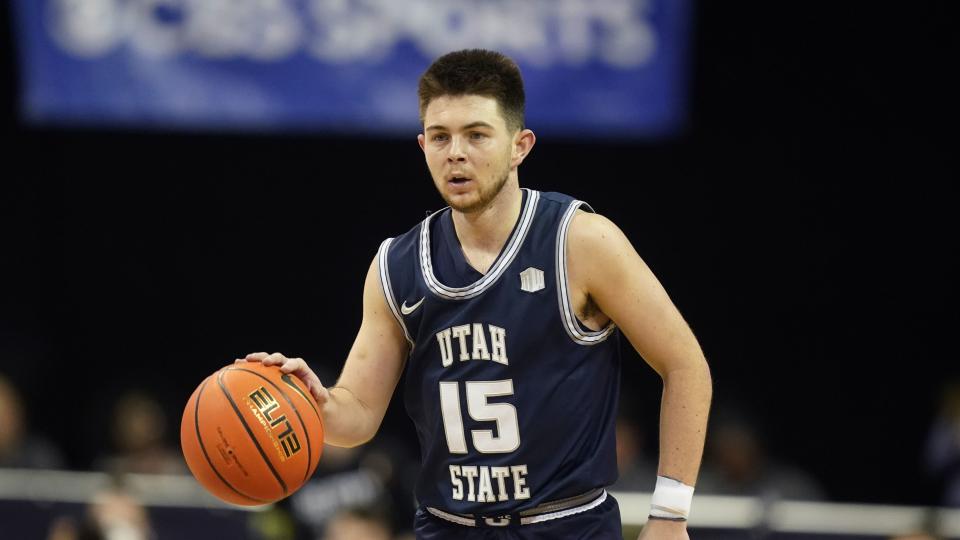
x,y
696,372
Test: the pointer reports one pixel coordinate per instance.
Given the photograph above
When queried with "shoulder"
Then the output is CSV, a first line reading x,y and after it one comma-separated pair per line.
x,y
552,197
598,252
594,233
551,202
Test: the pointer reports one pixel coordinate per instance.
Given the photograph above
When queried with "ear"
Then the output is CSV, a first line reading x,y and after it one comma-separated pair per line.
x,y
421,140
523,143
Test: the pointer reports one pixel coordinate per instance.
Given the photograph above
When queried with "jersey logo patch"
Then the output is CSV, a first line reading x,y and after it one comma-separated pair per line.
x,y
408,310
531,280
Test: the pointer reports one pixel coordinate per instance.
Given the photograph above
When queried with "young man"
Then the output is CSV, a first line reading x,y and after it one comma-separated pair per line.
x,y
505,310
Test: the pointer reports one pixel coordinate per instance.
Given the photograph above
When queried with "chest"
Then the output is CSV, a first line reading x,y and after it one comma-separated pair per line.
x,y
480,260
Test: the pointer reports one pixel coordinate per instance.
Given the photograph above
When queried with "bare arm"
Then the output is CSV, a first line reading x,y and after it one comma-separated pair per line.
x,y
370,374
354,408
607,270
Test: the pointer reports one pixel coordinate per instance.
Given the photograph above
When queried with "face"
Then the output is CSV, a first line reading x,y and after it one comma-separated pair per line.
x,y
469,150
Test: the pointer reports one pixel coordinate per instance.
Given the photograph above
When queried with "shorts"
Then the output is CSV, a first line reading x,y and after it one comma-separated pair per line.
x,y
599,523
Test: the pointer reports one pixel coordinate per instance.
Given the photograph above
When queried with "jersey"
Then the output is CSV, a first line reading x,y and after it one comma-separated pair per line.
x,y
513,399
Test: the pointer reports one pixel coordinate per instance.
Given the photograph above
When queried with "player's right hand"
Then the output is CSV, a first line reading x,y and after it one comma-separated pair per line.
x,y
297,366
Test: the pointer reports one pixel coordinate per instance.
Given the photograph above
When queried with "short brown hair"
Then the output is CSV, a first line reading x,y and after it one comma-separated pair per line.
x,y
477,72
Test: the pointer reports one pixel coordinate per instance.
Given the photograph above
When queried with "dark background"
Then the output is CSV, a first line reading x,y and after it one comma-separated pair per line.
x,y
801,222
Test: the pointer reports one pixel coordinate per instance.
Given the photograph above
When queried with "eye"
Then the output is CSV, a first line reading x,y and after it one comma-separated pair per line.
x,y
439,137
476,135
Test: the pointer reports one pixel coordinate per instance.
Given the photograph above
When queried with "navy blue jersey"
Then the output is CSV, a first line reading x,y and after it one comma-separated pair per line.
x,y
514,400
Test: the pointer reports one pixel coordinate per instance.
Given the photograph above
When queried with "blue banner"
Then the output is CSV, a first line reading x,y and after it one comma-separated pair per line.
x,y
591,67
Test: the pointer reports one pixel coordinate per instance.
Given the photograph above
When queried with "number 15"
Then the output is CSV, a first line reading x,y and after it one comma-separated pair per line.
x,y
504,414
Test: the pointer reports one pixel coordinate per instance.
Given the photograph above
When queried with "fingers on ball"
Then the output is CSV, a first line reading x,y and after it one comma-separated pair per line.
x,y
293,364
274,359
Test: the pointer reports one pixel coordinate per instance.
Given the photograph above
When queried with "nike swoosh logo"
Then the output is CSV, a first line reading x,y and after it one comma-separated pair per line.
x,y
408,310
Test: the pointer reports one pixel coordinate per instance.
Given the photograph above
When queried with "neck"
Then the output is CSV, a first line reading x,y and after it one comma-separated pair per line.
x,y
488,229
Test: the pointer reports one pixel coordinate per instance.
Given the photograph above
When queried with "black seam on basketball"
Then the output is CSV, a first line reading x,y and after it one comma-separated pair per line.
x,y
253,438
288,380
196,423
297,412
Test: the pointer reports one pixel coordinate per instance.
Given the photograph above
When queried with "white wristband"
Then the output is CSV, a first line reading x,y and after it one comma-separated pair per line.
x,y
671,499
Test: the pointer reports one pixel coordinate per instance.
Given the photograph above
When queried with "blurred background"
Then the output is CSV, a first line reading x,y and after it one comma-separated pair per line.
x,y
188,181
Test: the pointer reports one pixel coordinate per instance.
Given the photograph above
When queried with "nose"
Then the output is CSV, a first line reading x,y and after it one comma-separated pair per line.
x,y
456,151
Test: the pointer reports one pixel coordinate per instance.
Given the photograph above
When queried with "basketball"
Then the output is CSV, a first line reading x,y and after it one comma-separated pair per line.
x,y
251,435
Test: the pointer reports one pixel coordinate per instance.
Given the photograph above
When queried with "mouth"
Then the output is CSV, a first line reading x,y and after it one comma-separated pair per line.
x,y
457,180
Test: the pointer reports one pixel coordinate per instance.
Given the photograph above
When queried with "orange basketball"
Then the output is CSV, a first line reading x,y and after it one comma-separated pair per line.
x,y
251,434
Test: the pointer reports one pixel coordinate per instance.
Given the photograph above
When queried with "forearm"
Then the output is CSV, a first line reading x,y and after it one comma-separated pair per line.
x,y
684,409
347,421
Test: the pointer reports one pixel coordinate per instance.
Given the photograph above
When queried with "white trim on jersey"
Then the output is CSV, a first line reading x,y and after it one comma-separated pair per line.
x,y
570,323
499,266
387,288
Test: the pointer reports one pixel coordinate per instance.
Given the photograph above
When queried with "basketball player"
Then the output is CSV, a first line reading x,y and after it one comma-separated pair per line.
x,y
505,310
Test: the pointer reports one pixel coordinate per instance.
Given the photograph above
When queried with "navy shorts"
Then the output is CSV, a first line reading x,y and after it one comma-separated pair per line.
x,y
599,523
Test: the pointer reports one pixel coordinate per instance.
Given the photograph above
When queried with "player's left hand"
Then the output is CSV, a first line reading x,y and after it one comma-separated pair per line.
x,y
660,529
